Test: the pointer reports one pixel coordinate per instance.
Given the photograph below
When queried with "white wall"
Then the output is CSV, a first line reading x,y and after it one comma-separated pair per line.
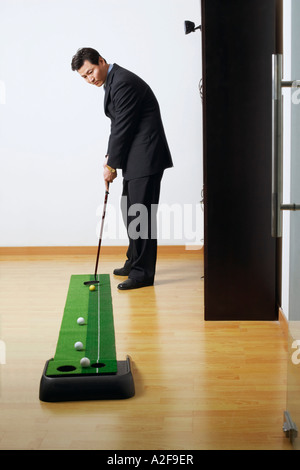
x,y
53,131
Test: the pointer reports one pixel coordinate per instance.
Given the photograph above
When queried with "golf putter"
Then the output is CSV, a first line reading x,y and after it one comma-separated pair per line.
x,y
95,281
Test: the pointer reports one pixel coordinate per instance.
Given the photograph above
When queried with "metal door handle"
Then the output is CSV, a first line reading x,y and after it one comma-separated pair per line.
x,y
290,207
276,145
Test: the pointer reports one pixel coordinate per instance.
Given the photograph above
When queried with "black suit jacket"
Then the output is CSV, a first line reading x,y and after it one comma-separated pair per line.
x,y
137,142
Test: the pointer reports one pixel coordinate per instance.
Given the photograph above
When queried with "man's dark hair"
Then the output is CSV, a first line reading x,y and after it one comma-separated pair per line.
x,y
85,53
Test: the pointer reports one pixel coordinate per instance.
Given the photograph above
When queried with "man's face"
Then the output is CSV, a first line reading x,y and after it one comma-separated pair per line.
x,y
94,74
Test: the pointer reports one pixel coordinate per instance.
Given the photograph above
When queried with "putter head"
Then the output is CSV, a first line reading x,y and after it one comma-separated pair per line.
x,y
90,283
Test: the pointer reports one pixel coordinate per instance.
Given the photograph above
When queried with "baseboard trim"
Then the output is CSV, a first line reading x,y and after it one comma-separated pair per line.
x,y
92,250
283,321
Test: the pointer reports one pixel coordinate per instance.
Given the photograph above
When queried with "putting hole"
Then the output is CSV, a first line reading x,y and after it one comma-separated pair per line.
x,y
97,365
66,368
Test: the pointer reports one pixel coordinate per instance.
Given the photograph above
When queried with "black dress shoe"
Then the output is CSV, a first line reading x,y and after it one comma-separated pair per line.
x,y
133,284
122,271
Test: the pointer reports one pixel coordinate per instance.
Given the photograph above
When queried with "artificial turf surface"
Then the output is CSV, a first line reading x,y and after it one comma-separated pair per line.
x,y
97,334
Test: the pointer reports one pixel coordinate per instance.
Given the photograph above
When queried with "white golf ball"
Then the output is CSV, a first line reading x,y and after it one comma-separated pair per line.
x,y
85,362
78,346
80,321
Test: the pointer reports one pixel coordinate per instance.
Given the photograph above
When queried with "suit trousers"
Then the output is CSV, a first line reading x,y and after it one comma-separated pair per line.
x,y
139,203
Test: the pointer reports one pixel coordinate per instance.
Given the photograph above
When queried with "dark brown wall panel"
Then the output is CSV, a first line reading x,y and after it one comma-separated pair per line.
x,y
238,40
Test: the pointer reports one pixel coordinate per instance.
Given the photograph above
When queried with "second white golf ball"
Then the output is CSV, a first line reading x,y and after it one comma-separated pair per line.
x,y
78,346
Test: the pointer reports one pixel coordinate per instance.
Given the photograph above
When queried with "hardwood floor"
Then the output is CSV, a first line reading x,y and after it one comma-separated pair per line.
x,y
199,385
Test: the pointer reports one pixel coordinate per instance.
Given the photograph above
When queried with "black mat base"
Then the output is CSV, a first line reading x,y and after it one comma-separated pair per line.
x,y
88,387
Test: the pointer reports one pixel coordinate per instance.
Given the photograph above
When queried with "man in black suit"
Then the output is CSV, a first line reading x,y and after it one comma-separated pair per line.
x,y
138,146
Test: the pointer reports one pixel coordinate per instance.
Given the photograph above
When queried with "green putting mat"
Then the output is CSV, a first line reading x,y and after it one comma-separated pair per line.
x,y
97,334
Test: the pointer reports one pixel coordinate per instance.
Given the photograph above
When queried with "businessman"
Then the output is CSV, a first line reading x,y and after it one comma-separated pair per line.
x,y
137,145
